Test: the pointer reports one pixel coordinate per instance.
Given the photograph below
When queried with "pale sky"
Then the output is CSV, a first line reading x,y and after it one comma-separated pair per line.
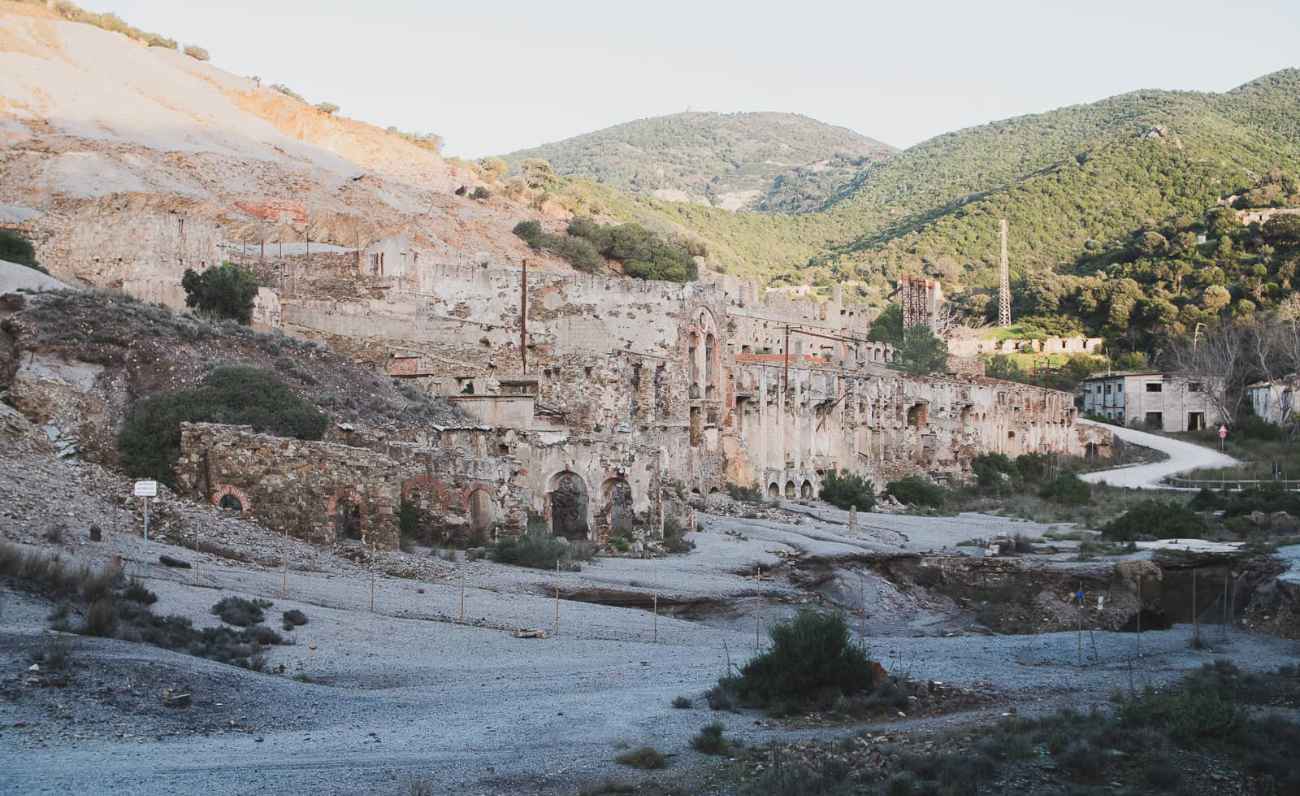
x,y
491,77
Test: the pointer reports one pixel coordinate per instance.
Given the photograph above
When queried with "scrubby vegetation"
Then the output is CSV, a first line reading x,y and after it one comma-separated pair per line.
x,y
915,490
226,291
240,611
848,491
646,757
1156,519
197,53
586,245
110,22
14,248
101,602
1067,488
149,441
541,551
811,662
710,740
1209,729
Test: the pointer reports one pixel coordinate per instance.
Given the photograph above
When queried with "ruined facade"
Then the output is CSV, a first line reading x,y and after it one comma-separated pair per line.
x,y
594,394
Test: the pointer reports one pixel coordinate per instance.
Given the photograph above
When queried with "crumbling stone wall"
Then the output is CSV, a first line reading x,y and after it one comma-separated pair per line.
x,y
327,492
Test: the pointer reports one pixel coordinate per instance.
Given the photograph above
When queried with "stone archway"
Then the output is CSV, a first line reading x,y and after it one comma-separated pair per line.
x,y
618,506
568,506
231,502
774,490
349,519
806,491
790,490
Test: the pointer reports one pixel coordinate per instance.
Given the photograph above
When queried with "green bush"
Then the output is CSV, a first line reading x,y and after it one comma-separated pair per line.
x,y
327,108
1033,467
241,612
1156,519
150,439
226,291
811,656
848,490
644,254
994,473
481,194
915,490
579,252
540,552
14,248
1067,488
710,740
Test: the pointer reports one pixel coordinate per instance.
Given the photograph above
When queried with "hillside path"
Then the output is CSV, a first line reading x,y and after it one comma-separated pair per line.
x,y
1183,456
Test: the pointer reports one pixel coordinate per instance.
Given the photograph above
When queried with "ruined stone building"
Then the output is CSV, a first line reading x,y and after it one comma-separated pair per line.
x,y
590,397
596,395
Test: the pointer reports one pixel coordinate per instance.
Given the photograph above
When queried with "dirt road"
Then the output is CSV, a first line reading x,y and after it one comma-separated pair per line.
x,y
1183,456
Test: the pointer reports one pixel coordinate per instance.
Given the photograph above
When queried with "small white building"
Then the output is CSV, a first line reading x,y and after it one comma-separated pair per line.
x,y
1160,401
1274,401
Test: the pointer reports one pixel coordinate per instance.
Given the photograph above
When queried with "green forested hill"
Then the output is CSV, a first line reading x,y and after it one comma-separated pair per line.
x,y
1071,182
779,162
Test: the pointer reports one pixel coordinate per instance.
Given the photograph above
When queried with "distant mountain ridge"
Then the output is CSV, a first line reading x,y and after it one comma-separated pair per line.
x,y
771,162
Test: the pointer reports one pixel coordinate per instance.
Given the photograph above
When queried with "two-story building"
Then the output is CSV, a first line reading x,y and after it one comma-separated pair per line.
x,y
1159,401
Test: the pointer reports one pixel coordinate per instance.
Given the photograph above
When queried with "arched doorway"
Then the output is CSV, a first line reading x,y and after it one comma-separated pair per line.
x,y
774,490
618,506
568,500
231,502
347,519
481,513
806,491
790,490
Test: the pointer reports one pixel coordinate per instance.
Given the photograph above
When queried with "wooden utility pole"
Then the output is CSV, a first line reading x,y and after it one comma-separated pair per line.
x,y
523,315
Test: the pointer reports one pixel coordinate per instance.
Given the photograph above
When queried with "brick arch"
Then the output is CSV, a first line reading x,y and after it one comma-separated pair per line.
x,y
226,489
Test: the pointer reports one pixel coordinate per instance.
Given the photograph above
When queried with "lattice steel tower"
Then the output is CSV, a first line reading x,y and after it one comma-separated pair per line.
x,y
1004,283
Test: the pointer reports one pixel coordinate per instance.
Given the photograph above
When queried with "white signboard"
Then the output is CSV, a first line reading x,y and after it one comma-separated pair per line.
x,y
146,489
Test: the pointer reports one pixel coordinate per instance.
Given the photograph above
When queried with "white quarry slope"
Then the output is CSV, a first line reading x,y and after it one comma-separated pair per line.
x,y
15,277
93,84
107,145
1183,456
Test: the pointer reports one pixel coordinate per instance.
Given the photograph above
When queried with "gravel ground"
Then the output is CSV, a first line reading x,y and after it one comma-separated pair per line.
x,y
410,691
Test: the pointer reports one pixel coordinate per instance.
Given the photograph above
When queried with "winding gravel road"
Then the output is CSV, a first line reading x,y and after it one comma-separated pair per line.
x,y
1183,456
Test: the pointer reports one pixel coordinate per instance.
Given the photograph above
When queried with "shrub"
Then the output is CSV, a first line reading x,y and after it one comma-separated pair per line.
x,y
539,552
745,494
293,618
681,703
1067,488
916,491
327,108
197,53
226,291
646,757
848,490
1033,467
14,248
150,439
579,252
55,654
241,612
644,254
480,193
810,656
675,540
994,473
100,618
288,92
135,590
710,741
1156,519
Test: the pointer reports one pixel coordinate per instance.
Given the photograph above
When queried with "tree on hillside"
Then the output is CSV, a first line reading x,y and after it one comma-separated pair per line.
x,y
1221,355
920,352
888,326
1282,230
226,291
